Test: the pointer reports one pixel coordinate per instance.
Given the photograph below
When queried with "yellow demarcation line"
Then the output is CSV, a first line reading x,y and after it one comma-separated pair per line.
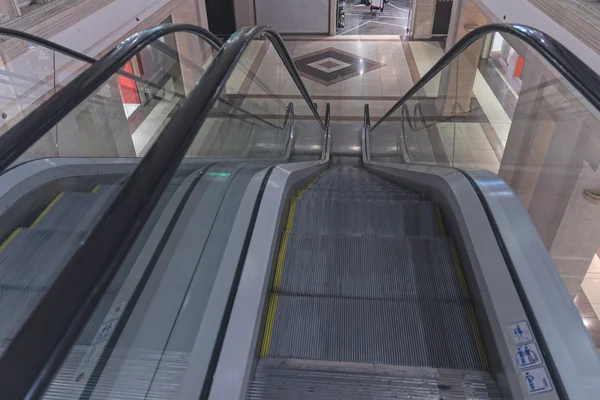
x,y
47,210
439,219
464,292
472,320
95,189
264,351
10,238
279,267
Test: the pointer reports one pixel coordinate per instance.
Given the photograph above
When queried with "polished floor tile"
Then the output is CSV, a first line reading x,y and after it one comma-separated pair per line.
x,y
394,20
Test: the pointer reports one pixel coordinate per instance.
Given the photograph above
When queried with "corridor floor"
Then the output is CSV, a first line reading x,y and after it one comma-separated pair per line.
x,y
349,71
394,20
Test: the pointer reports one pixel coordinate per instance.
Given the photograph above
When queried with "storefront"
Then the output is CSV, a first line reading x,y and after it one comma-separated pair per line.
x,y
507,61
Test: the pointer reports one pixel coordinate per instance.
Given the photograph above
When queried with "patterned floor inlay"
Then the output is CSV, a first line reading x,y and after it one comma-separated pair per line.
x,y
330,65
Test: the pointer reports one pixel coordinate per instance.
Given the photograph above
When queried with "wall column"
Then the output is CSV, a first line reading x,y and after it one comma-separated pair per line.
x,y
458,78
423,18
244,13
194,52
551,157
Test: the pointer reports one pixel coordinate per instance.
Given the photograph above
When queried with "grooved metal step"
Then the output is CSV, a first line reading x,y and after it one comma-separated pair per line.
x,y
410,268
365,217
277,379
28,265
75,210
374,331
367,276
367,195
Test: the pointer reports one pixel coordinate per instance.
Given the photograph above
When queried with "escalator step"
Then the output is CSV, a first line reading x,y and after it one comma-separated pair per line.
x,y
28,265
408,333
372,195
408,268
365,217
277,378
99,190
358,186
75,210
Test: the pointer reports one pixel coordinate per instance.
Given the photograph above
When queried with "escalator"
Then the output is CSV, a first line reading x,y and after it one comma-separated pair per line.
x,y
59,200
362,263
244,257
27,269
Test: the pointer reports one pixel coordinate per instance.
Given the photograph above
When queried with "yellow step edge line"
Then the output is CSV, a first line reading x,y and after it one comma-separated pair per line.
x,y
47,210
478,342
264,351
10,238
290,219
463,285
279,268
95,189
309,184
472,320
439,219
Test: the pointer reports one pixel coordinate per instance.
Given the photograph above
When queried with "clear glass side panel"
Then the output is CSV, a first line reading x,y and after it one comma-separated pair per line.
x,y
42,229
27,78
427,128
126,114
256,110
150,336
500,106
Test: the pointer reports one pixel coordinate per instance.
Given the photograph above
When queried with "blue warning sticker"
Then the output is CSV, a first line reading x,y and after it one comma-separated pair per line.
x,y
104,331
116,311
537,381
93,354
528,355
520,332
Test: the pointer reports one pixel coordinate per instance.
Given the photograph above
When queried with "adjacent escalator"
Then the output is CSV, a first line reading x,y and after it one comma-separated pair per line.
x,y
34,254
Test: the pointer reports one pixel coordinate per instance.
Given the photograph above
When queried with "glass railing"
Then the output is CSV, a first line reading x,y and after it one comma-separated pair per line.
x,y
105,111
251,118
245,119
122,117
531,117
234,112
536,126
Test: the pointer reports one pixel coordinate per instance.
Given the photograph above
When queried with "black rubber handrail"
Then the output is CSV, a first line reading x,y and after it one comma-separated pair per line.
x,y
46,338
30,129
568,65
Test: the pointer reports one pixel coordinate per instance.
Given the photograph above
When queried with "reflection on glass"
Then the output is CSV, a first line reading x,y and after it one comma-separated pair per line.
x,y
123,117
500,106
145,335
120,119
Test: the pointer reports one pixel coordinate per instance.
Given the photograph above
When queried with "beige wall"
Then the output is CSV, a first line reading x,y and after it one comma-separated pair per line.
x,y
244,13
457,79
190,47
550,159
465,17
423,18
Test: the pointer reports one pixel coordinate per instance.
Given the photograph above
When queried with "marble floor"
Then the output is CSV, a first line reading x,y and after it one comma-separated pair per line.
x,y
349,71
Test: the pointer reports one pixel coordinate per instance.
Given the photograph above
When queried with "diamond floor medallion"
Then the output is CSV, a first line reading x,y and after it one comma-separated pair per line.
x,y
329,66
